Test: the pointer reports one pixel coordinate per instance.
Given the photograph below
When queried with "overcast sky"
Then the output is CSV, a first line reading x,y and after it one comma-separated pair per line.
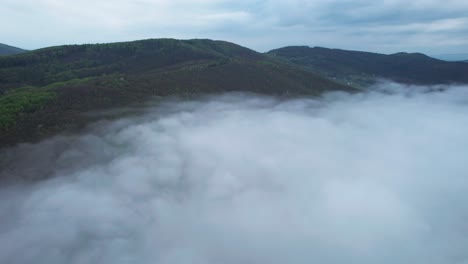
x,y
430,26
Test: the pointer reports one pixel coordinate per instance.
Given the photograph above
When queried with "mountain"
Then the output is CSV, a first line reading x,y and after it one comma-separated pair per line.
x,y
48,90
452,56
363,68
9,50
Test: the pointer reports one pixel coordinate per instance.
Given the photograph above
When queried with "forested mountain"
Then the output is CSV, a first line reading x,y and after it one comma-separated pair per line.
x,y
48,90
9,50
362,68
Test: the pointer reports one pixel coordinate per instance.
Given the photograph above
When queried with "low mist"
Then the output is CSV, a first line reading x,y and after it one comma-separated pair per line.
x,y
375,177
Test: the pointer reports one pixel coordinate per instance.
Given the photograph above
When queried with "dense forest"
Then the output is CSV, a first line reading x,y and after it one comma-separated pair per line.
x,y
48,90
363,68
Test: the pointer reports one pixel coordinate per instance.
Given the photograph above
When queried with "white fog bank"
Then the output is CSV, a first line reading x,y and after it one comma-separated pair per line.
x,y
378,177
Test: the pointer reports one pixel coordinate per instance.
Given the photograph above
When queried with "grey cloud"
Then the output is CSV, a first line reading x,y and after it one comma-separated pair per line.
x,y
377,177
256,24
368,25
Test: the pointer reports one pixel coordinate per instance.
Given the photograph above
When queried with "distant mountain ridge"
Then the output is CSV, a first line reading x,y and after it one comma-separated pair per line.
x,y
362,68
10,50
452,57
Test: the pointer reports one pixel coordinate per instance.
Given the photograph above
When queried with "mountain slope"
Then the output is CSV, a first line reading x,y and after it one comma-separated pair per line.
x,y
48,90
451,56
9,50
363,68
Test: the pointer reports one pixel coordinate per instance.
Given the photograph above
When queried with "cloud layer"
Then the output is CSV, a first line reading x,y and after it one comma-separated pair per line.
x,y
378,177
432,26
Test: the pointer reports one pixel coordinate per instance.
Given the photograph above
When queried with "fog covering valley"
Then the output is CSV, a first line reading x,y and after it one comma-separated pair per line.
x,y
372,177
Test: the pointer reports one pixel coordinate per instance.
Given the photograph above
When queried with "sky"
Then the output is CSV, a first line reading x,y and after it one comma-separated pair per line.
x,y
388,26
374,177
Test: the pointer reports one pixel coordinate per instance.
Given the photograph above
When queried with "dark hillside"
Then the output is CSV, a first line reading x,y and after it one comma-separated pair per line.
x,y
64,63
361,68
9,50
48,90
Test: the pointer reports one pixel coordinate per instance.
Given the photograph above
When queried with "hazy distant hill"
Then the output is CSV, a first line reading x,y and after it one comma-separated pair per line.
x,y
452,56
9,50
361,68
47,90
